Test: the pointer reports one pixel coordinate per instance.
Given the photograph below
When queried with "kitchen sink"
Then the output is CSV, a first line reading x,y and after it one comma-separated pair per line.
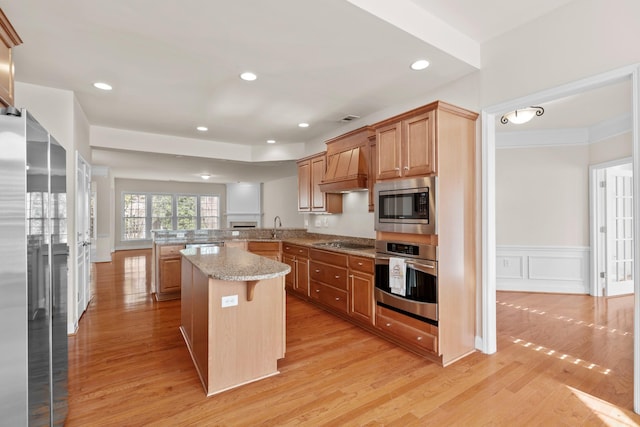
x,y
343,245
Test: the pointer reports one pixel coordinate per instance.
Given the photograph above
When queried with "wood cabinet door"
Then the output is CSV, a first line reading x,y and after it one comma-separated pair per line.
x,y
388,145
290,278
318,198
419,145
362,297
170,275
304,186
302,276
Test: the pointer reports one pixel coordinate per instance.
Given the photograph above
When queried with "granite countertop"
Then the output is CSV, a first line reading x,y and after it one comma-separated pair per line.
x,y
312,242
234,264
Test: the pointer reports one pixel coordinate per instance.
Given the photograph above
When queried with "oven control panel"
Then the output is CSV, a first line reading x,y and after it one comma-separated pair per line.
x,y
409,250
402,248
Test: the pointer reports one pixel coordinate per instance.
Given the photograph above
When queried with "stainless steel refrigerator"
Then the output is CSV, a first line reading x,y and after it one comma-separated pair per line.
x,y
33,273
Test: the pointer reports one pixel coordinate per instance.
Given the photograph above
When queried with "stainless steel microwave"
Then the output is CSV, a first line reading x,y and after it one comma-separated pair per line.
x,y
406,206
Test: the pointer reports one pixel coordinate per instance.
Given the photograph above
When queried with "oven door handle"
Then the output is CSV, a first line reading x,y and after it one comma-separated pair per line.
x,y
425,268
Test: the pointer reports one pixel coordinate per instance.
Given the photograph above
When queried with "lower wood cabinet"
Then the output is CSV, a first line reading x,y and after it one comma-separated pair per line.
x,y
329,279
266,249
410,331
296,257
168,272
361,284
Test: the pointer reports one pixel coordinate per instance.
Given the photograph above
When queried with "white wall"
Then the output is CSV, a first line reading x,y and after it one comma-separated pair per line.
x,y
280,198
542,196
581,39
355,219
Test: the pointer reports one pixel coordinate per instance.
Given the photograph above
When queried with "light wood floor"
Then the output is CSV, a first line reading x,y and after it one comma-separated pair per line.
x,y
561,361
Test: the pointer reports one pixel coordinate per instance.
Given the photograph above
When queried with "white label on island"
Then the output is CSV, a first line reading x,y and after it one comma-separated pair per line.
x,y
229,301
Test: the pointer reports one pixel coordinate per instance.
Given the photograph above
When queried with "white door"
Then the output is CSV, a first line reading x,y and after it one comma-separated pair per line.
x,y
619,231
83,234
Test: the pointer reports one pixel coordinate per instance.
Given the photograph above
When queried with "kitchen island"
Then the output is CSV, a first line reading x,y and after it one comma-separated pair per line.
x,y
232,315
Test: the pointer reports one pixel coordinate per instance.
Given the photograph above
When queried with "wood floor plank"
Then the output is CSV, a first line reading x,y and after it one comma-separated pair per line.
x,y
561,360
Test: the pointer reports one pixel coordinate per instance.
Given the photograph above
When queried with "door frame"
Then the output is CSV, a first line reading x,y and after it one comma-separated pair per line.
x,y
595,219
487,341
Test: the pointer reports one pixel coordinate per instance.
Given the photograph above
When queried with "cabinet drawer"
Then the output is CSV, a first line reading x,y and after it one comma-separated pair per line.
x,y
327,295
300,251
327,257
358,263
329,274
171,251
263,246
408,329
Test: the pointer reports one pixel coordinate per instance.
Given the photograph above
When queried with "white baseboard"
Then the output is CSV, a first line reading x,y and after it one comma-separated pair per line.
x,y
553,269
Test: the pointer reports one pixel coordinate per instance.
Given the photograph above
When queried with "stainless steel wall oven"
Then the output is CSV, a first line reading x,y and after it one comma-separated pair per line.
x,y
410,286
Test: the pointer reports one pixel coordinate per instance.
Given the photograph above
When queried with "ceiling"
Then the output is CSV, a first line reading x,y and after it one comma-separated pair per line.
x,y
175,65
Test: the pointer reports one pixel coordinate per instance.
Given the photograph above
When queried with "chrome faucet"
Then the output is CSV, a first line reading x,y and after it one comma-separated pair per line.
x,y
273,233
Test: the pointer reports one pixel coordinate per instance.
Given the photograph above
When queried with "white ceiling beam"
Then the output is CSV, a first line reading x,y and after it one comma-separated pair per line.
x,y
411,18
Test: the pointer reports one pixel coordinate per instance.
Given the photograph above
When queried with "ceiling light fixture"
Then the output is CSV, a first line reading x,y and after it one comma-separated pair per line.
x,y
303,125
102,86
202,128
271,141
420,64
205,176
521,116
248,76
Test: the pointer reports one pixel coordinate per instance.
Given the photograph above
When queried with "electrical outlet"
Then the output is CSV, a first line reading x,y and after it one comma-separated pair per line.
x,y
318,222
325,221
229,301
235,233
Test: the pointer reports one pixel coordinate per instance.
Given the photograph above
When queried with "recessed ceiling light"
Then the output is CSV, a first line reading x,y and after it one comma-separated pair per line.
x,y
248,76
202,128
205,176
102,86
271,141
303,125
420,64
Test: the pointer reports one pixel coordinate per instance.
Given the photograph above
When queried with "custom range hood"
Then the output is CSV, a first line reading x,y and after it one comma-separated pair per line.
x,y
346,171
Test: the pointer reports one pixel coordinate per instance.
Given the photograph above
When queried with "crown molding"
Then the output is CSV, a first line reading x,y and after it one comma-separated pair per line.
x,y
566,137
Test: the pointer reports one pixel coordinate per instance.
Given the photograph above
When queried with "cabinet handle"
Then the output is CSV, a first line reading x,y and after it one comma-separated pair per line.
x,y
337,277
360,264
406,168
419,338
317,271
317,290
337,298
388,325
396,169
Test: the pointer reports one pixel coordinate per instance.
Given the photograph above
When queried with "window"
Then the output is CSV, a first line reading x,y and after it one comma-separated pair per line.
x,y
187,212
161,212
134,216
142,213
209,212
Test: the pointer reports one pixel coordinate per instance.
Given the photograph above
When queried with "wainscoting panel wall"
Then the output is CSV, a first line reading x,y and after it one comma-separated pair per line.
x,y
543,269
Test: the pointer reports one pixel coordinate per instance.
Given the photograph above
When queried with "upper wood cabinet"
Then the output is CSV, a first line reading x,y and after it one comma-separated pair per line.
x,y
311,170
9,39
406,146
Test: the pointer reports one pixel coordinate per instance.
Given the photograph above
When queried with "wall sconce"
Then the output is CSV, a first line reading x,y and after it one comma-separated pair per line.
x,y
521,116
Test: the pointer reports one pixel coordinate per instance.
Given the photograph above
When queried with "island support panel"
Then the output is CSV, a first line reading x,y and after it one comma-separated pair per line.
x,y
236,344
